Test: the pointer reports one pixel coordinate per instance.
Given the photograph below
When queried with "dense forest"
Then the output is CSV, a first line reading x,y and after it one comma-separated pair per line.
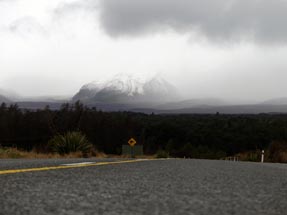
x,y
191,135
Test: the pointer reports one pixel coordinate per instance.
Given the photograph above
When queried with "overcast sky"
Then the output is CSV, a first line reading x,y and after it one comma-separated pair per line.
x,y
230,49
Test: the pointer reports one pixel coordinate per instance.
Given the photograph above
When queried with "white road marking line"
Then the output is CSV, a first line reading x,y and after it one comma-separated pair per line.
x,y
77,164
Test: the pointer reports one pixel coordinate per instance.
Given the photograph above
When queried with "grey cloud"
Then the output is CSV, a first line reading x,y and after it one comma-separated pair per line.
x,y
261,20
63,8
9,1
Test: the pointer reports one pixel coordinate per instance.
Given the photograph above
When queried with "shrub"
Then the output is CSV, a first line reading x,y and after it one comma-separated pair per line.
x,y
10,153
162,154
70,142
253,156
278,151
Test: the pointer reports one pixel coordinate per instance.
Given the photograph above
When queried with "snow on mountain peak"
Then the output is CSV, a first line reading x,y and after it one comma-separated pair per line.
x,y
127,87
124,83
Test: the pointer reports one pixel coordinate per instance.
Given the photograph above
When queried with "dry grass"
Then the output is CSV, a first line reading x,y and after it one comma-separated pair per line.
x,y
15,153
254,156
282,157
98,154
278,151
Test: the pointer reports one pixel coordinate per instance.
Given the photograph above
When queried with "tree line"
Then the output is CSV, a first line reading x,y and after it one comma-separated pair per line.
x,y
189,135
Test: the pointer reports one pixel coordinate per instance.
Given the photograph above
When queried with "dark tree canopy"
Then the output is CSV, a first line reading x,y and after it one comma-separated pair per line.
x,y
199,136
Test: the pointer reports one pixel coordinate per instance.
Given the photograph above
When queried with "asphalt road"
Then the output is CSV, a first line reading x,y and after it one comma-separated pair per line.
x,y
147,187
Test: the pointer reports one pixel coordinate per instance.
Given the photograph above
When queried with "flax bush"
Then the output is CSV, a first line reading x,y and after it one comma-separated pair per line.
x,y
70,142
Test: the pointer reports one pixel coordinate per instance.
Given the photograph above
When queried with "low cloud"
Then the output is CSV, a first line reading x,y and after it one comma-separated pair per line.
x,y
259,20
75,6
27,26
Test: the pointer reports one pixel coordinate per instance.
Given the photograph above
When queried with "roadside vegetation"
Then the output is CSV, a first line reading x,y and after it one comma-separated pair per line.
x,y
70,142
88,131
8,152
162,154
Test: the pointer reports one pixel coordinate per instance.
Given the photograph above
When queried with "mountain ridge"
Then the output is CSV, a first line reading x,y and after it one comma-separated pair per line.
x,y
275,101
4,99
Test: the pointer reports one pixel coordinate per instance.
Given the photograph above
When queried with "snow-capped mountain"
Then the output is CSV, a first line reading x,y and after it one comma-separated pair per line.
x,y
128,89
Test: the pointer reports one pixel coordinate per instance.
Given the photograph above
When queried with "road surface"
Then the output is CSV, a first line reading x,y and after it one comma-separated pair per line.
x,y
174,186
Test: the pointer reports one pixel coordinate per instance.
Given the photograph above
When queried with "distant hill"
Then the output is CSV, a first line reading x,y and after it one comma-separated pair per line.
x,y
149,108
4,99
231,109
155,95
275,101
8,95
39,105
192,103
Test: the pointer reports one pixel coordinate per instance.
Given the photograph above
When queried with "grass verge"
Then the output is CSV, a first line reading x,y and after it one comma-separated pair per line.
x,y
15,153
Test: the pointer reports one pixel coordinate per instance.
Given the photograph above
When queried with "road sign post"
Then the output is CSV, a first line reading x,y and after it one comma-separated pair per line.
x,y
132,142
132,152
137,150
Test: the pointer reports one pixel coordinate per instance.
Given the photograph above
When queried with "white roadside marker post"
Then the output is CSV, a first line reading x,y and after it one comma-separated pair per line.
x,y
262,156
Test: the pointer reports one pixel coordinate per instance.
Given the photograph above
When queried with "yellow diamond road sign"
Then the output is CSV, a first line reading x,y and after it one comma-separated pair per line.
x,y
132,142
